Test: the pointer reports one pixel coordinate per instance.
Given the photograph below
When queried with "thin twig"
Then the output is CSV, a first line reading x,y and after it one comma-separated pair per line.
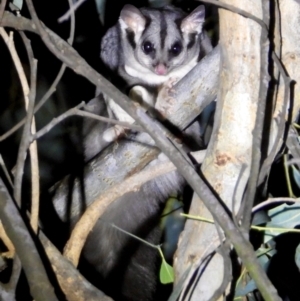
x,y
77,112
72,27
52,87
6,172
25,88
43,100
71,11
35,175
127,125
47,128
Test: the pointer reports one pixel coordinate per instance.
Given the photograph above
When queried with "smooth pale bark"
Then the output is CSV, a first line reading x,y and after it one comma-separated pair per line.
x,y
287,36
228,159
290,51
286,96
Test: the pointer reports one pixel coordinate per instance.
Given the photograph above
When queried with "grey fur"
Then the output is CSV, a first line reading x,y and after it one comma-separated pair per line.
x,y
127,267
93,140
145,24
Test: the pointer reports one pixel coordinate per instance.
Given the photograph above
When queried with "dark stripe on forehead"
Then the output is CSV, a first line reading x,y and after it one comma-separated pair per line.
x,y
148,22
163,29
146,32
177,23
147,25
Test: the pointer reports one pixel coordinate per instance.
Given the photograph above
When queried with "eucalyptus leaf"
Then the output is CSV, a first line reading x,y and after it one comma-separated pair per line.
x,y
248,288
16,5
166,273
283,216
260,217
172,224
100,5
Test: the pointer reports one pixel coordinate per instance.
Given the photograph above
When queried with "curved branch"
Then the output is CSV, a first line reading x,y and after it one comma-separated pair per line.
x,y
73,284
95,210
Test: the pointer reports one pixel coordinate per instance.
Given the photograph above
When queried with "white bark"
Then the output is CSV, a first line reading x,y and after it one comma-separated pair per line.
x,y
228,159
290,34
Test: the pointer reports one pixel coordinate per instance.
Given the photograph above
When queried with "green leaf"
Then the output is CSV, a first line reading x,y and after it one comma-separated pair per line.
x,y
283,216
166,273
100,5
260,217
16,5
248,288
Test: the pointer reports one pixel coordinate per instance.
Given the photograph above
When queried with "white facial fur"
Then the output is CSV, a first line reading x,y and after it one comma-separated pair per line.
x,y
162,31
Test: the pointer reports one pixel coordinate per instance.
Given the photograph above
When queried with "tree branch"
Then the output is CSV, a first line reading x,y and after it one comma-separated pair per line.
x,y
15,228
86,223
73,284
35,176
